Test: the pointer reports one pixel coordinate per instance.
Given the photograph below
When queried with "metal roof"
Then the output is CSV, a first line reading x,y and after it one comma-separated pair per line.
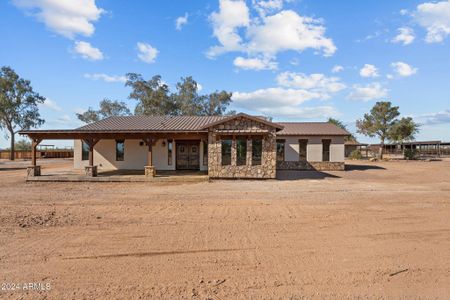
x,y
152,123
310,128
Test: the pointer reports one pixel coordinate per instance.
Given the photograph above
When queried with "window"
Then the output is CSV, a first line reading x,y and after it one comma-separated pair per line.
x,y
241,151
256,151
120,150
326,150
226,151
302,149
205,153
280,150
84,151
169,152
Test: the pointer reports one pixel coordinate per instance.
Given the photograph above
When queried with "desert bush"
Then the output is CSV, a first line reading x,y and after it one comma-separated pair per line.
x,y
410,154
356,154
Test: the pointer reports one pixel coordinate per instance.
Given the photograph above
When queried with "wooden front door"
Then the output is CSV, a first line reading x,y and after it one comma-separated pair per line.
x,y
188,155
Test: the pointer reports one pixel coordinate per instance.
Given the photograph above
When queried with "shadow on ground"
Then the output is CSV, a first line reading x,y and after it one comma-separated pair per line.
x,y
349,167
298,175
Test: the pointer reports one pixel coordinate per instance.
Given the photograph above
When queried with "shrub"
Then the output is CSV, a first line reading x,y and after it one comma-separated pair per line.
x,y
410,154
356,154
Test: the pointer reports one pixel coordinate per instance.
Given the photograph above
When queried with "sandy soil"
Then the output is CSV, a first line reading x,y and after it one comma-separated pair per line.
x,y
378,230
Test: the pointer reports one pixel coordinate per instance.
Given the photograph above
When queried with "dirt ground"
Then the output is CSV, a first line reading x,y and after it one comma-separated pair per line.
x,y
378,230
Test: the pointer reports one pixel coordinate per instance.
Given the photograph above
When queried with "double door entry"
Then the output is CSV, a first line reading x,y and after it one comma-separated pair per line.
x,y
188,155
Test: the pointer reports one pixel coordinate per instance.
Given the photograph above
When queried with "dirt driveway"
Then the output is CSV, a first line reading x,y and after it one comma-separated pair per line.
x,y
378,230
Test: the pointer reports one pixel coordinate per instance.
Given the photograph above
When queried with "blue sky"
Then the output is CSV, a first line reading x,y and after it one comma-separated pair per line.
x,y
296,60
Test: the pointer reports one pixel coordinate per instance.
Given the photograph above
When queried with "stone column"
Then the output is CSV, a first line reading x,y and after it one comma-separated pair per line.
x,y
34,169
249,151
91,170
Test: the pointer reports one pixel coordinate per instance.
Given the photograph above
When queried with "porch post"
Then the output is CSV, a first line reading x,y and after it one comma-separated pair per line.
x,y
91,170
149,168
34,169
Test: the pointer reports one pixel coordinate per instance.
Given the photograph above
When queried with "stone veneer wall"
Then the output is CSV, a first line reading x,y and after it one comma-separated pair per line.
x,y
311,165
266,170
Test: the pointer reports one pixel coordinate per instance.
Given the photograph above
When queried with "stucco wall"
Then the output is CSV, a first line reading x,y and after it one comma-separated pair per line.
x,y
314,148
135,156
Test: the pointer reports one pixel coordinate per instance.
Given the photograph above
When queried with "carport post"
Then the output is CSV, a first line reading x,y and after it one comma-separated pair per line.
x,y
91,170
34,169
149,169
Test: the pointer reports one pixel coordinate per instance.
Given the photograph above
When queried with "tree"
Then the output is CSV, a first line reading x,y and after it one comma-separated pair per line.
x,y
382,122
154,98
18,105
403,130
107,109
341,124
152,95
23,145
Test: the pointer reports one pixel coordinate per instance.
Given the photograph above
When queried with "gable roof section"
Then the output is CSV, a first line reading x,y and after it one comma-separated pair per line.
x,y
242,115
311,128
152,123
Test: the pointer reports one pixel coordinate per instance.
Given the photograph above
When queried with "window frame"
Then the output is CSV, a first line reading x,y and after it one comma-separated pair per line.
x,y
170,144
241,161
326,155
256,162
283,153
84,151
305,152
222,143
121,157
205,153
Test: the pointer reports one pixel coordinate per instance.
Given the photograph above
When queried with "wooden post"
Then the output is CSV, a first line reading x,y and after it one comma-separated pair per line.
x,y
34,145
91,170
149,168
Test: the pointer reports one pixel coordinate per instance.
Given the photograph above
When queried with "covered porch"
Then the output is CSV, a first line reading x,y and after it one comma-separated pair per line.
x,y
93,170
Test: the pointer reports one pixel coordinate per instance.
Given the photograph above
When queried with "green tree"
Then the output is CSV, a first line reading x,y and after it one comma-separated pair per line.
x,y
107,109
18,105
23,145
154,98
341,124
152,95
404,130
379,122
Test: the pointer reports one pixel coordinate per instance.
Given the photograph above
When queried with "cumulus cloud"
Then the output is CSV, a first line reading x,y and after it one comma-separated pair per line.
x,y
369,71
68,18
314,82
105,77
435,18
181,21
405,36
87,51
254,63
146,52
372,91
50,104
337,69
266,35
403,69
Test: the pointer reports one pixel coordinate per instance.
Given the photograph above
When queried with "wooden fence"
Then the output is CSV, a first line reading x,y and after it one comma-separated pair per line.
x,y
26,154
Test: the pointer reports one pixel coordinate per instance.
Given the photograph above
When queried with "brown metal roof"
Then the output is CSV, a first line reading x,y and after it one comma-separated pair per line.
x,y
242,115
310,128
153,123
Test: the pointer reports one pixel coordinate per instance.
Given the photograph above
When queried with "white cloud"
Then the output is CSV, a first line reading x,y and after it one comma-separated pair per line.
x,y
199,87
231,16
442,117
68,18
369,71
50,104
147,53
314,82
405,36
87,51
435,18
254,63
105,77
312,112
337,69
266,35
403,12
372,91
181,21
403,69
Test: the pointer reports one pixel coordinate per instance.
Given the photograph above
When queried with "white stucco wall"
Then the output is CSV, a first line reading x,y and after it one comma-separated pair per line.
x,y
135,156
314,148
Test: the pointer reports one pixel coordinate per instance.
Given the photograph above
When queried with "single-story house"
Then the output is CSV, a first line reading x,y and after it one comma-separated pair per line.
x,y
237,146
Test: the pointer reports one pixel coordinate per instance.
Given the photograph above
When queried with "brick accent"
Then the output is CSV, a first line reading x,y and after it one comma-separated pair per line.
x,y
150,171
